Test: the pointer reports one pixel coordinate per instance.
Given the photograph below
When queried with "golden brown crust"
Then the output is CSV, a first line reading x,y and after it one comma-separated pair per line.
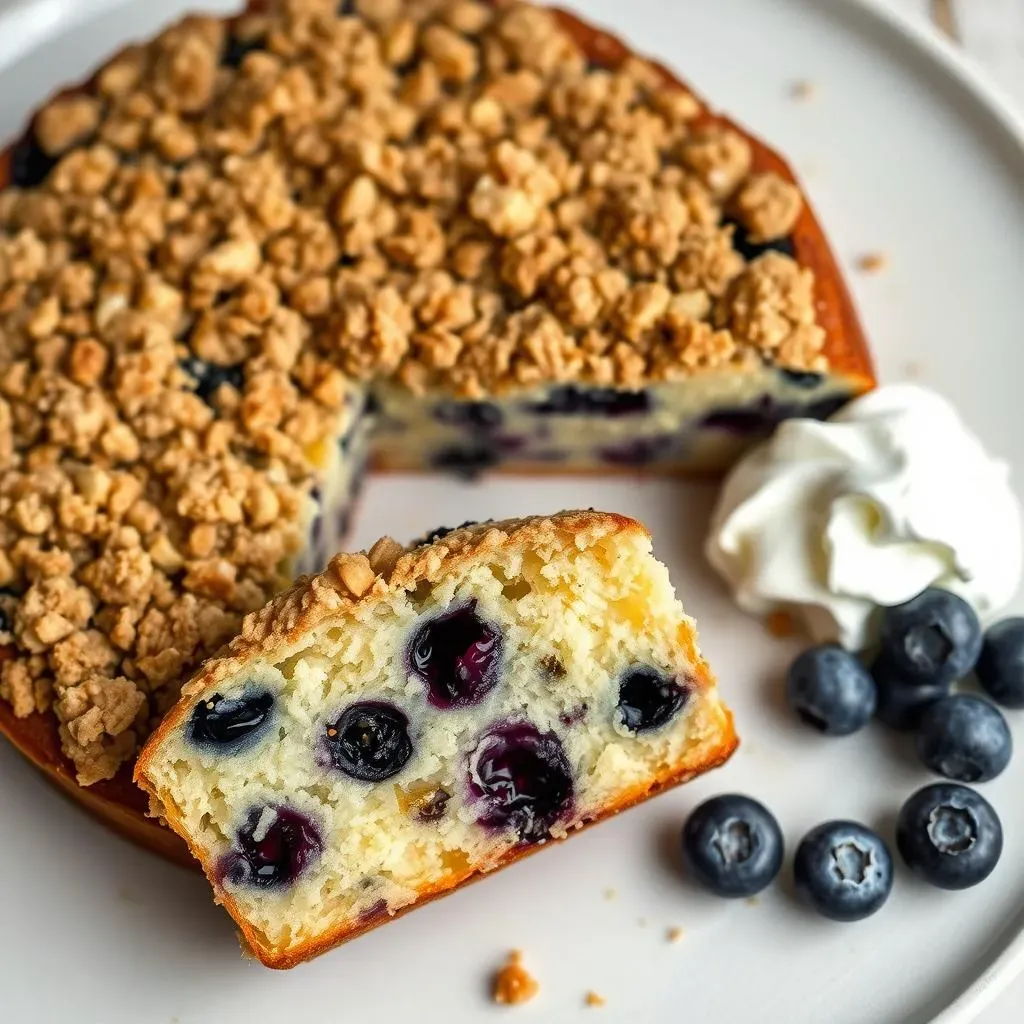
x,y
845,351
312,601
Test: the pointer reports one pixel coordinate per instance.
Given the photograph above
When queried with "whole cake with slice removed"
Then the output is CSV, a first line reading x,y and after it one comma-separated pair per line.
x,y
254,253
409,720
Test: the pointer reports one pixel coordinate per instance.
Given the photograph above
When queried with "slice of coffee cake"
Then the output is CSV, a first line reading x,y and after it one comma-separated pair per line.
x,y
409,720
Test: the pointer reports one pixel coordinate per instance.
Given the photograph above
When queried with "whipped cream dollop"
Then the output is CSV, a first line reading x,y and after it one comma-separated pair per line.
x,y
894,494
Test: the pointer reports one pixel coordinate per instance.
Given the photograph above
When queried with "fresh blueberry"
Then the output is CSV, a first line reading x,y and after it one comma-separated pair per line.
x,y
949,835
648,699
765,414
30,163
468,461
225,721
901,704
236,50
732,845
831,690
273,848
570,400
964,738
521,779
843,870
209,377
932,638
750,250
1000,667
457,655
482,417
370,741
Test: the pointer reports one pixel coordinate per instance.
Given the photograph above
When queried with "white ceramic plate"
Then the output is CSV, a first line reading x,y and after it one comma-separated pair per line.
x,y
904,152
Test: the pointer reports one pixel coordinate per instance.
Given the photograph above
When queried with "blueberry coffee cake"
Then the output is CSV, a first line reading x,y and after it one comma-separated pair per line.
x,y
254,253
413,718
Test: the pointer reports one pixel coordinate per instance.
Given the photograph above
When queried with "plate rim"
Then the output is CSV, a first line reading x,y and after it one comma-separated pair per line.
x,y
30,22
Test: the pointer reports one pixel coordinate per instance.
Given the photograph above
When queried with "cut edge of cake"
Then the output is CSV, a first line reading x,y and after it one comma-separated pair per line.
x,y
316,603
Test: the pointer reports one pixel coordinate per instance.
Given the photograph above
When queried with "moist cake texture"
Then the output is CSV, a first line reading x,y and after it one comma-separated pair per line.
x,y
252,254
409,720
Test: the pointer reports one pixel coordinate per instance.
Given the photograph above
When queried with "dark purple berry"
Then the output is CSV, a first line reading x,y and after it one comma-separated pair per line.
x,y
442,531
750,250
432,807
209,377
570,400
236,50
949,835
843,870
901,704
273,848
932,638
1000,667
964,738
226,721
641,452
732,845
457,655
30,163
802,378
648,699
831,690
482,417
765,414
521,779
467,461
370,741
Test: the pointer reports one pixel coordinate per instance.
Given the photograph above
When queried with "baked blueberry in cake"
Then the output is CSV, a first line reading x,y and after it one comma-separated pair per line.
x,y
253,255
412,718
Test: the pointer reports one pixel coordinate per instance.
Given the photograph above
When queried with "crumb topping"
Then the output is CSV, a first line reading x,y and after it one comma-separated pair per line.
x,y
513,984
239,222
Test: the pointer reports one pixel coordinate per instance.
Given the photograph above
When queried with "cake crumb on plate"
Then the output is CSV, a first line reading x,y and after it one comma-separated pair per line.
x,y
611,894
513,984
594,999
802,90
674,934
872,262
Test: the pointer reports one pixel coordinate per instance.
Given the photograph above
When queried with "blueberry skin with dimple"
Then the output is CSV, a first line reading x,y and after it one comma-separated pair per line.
x,y
1000,667
902,704
843,870
964,738
949,835
831,690
732,845
648,699
932,638
227,724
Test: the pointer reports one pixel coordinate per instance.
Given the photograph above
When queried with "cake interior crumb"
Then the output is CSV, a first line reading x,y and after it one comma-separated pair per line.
x,y
595,999
513,984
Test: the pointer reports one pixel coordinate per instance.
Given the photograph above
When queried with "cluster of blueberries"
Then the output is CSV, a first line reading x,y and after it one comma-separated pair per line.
x,y
946,833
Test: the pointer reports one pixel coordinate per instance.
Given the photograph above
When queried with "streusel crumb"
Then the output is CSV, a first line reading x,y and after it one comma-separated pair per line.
x,y
245,218
513,984
594,999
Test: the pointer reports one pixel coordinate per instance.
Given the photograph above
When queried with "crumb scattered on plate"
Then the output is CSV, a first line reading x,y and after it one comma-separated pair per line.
x,y
674,934
913,370
802,90
593,999
781,625
642,922
752,901
514,984
611,894
872,262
